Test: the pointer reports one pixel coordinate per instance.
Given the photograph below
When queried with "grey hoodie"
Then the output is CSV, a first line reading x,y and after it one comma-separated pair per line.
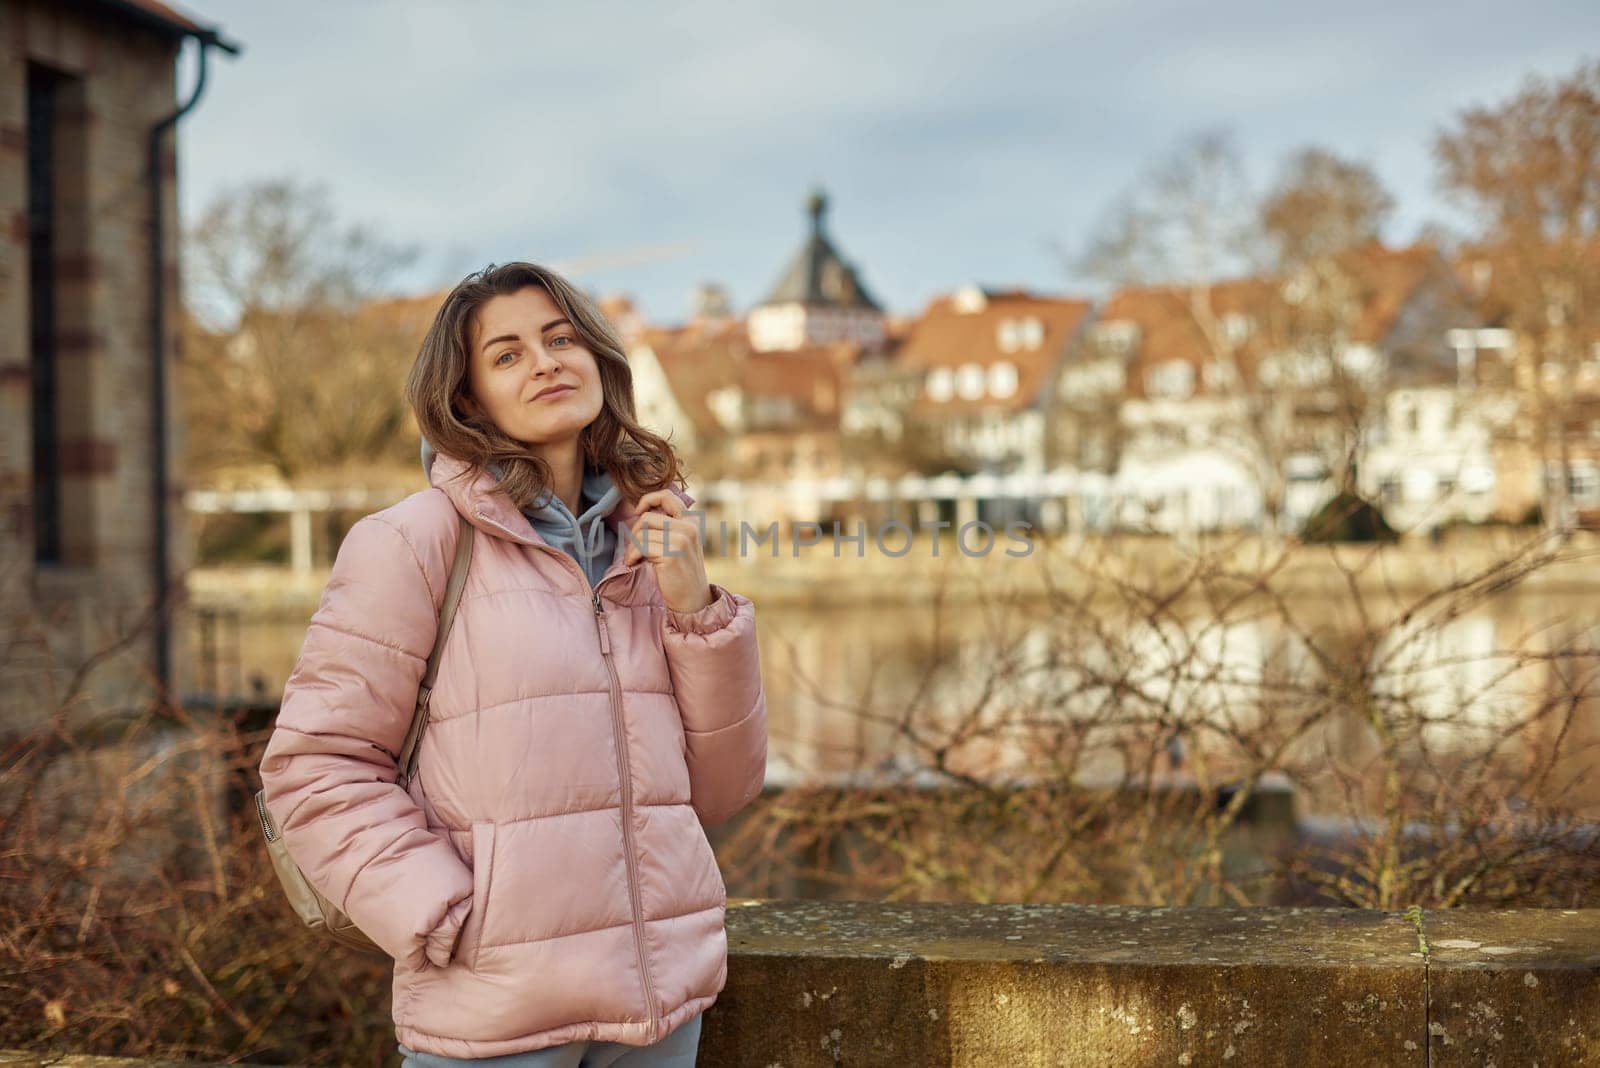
x,y
587,538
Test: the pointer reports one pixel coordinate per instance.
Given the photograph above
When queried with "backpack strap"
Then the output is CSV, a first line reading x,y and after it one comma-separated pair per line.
x,y
447,616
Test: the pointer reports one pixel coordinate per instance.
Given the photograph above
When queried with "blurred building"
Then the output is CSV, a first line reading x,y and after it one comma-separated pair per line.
x,y
1245,401
1544,392
986,359
758,400
1237,404
818,300
90,509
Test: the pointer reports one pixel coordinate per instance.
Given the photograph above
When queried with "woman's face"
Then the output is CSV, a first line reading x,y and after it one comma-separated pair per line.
x,y
523,346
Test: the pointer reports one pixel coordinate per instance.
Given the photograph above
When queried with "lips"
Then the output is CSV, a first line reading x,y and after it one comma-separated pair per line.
x,y
553,391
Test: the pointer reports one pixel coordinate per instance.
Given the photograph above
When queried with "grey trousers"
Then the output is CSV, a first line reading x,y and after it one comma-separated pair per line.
x,y
677,1050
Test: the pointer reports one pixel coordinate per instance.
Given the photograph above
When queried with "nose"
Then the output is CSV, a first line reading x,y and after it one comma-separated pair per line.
x,y
544,363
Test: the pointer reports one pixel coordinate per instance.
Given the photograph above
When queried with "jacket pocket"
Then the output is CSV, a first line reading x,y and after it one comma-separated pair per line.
x,y
709,860
472,936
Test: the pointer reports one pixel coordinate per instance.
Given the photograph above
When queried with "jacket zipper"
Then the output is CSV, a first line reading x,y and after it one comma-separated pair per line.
x,y
267,827
626,776
624,772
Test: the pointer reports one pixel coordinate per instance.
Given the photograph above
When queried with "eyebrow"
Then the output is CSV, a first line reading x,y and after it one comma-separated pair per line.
x,y
517,337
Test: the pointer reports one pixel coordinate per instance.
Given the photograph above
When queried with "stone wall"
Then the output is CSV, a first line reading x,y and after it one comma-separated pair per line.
x,y
877,983
871,983
119,83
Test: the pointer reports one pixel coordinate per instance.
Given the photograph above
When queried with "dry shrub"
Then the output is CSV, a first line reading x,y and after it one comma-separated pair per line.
x,y
141,916
1137,732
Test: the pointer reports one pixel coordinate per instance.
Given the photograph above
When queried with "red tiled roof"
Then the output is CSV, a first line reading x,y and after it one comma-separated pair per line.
x,y
165,13
697,360
1390,277
944,336
810,378
702,357
1169,326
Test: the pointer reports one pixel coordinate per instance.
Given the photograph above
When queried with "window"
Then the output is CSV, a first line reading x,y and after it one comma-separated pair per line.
x,y
969,300
57,221
969,381
1584,485
1403,416
1098,377
1003,378
1010,338
1116,336
1173,379
941,384
1220,376
727,404
1358,359
1032,333
1237,328
42,86
1014,334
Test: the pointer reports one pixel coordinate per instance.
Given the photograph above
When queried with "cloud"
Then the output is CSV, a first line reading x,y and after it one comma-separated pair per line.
x,y
953,139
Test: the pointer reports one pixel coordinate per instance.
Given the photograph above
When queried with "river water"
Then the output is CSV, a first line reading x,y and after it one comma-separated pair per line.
x,y
1022,680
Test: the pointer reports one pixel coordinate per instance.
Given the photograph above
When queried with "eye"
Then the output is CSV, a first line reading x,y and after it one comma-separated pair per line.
x,y
503,355
561,337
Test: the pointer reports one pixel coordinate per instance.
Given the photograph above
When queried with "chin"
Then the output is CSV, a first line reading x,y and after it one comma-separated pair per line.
x,y
551,436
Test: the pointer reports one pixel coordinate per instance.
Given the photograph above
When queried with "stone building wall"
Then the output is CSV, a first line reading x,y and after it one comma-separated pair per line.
x,y
117,79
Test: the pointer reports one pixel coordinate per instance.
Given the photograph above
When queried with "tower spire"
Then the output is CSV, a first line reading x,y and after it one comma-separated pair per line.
x,y
817,207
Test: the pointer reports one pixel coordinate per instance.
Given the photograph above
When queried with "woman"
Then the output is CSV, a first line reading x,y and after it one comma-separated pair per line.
x,y
545,885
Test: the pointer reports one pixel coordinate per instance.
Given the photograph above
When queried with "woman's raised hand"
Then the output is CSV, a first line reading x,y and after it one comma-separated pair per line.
x,y
670,544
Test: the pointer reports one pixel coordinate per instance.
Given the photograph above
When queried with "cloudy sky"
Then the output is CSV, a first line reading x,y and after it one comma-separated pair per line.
x,y
957,142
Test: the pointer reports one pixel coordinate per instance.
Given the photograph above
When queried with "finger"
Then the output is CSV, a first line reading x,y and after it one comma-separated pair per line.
x,y
645,535
658,536
661,500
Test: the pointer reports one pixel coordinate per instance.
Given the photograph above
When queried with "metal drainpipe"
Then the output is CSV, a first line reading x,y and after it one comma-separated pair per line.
x,y
158,383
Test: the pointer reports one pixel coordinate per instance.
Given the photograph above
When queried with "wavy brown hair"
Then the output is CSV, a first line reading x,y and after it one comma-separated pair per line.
x,y
637,460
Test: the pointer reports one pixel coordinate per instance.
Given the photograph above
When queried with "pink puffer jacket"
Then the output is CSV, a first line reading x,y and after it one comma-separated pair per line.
x,y
546,879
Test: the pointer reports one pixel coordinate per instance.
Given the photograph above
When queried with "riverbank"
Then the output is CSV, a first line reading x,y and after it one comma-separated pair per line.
x,y
899,572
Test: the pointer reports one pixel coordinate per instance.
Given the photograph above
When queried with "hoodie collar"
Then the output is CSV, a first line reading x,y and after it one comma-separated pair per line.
x,y
552,518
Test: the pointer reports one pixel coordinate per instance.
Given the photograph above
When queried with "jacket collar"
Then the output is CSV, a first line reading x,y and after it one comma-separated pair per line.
x,y
487,507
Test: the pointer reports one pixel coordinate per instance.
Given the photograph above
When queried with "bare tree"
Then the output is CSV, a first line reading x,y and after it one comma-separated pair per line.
x,y
1322,206
1186,228
1323,220
292,359
1189,220
1115,736
1268,292
1530,168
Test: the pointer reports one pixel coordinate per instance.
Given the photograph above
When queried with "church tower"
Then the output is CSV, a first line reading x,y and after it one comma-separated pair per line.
x,y
818,299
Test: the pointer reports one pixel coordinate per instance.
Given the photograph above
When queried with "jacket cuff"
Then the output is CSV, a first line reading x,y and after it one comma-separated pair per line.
x,y
713,616
441,942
